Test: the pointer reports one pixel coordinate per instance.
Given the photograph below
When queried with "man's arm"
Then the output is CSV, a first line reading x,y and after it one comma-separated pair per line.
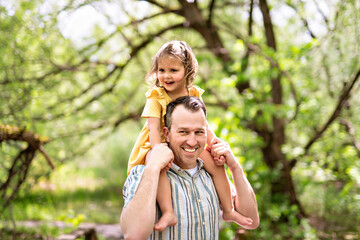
x,y
245,200
138,217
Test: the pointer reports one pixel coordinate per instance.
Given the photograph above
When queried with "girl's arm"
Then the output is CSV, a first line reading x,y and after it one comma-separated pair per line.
x,y
155,135
210,134
245,200
211,139
154,131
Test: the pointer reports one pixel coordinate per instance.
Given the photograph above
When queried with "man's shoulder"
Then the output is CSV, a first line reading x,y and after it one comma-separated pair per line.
x,y
132,183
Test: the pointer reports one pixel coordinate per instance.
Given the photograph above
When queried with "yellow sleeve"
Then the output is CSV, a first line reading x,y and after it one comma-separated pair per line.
x,y
152,108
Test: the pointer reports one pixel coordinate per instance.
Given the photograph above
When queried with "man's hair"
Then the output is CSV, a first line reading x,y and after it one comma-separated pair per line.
x,y
190,103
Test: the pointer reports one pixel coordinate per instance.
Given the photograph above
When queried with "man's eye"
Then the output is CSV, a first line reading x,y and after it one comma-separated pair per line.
x,y
200,132
182,132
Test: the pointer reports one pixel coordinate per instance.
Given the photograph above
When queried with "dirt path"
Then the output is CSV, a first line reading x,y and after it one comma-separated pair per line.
x,y
109,231
106,231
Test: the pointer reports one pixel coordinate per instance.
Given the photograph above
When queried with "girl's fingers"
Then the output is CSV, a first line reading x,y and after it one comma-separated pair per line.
x,y
208,148
219,163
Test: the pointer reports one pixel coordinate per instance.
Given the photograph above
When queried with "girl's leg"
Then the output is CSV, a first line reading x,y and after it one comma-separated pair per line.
x,y
222,186
163,198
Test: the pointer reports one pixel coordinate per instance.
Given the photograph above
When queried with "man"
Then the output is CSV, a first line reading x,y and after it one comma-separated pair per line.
x,y
194,198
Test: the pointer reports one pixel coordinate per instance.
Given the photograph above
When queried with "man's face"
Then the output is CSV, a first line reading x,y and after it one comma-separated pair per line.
x,y
187,136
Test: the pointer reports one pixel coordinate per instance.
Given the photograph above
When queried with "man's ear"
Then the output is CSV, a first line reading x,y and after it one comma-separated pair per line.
x,y
166,134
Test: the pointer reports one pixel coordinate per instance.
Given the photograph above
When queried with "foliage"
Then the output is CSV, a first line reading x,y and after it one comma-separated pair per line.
x,y
281,81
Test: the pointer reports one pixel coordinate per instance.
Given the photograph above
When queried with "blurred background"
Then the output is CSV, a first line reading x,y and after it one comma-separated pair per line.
x,y
281,81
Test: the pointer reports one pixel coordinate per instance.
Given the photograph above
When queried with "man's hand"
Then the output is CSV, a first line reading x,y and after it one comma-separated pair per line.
x,y
161,157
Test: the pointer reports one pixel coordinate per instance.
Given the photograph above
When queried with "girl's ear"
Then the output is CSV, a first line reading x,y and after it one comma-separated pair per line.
x,y
166,134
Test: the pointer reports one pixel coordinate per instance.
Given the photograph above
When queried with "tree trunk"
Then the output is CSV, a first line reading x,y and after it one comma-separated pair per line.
x,y
208,31
273,156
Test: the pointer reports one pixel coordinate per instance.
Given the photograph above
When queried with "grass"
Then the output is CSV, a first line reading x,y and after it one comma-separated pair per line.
x,y
98,205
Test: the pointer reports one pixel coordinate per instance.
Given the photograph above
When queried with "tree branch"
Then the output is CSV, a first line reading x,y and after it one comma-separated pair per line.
x,y
211,10
84,91
256,49
8,133
242,83
85,104
153,2
326,20
133,53
303,19
344,97
269,29
18,171
220,102
351,131
195,20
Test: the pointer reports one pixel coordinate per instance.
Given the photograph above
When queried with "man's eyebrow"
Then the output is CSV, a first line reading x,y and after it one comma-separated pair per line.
x,y
201,129
187,128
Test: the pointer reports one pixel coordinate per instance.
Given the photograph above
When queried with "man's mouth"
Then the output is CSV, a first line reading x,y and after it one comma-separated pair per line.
x,y
189,150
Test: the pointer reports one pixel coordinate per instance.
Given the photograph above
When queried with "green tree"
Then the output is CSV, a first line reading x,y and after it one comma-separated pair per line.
x,y
280,80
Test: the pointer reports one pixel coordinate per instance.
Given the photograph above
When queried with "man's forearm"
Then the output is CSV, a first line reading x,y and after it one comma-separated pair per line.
x,y
245,201
138,217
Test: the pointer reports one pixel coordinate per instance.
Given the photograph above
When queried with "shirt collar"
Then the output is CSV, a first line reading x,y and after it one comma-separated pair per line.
x,y
176,169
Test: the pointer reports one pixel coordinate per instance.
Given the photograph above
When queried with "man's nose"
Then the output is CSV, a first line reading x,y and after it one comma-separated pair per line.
x,y
191,141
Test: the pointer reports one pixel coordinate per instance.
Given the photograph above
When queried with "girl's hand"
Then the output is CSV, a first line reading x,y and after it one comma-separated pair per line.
x,y
219,159
168,166
161,157
223,149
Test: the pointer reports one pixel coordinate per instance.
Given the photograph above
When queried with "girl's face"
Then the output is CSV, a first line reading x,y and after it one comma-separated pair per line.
x,y
171,74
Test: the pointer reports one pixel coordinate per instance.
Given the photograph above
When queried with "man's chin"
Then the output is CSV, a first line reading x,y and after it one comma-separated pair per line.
x,y
191,159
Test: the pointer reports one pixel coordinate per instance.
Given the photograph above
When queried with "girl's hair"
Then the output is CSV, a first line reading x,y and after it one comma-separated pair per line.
x,y
179,50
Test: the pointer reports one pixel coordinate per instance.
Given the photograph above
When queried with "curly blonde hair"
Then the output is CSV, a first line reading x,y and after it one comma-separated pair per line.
x,y
179,50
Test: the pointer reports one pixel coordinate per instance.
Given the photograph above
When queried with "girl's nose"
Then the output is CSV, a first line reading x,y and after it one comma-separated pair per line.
x,y
166,75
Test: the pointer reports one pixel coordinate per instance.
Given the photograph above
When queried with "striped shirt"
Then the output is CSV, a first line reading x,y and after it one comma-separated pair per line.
x,y
194,200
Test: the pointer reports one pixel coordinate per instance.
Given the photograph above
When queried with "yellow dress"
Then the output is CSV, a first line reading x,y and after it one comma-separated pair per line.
x,y
156,102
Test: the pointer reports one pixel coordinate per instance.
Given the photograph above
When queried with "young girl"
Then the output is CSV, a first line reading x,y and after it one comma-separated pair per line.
x,y
172,74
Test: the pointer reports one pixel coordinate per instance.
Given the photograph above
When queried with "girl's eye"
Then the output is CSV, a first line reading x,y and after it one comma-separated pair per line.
x,y
174,70
161,70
